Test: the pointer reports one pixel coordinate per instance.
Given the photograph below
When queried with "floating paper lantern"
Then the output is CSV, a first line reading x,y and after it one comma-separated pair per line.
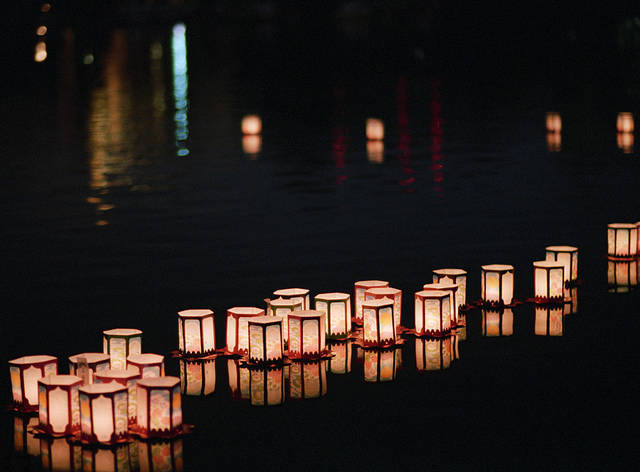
x,y
497,284
159,407
379,324
361,287
554,122
59,454
267,386
548,279
622,240
433,354
568,255
340,363
121,342
196,332
548,320
497,322
380,365
432,313
149,365
308,380
266,344
454,276
337,307
127,378
375,129
239,380
161,456
622,276
450,288
117,458
103,413
307,334
24,440
197,378
283,307
25,373
251,125
295,294
96,361
624,123
58,407
238,329
375,151
394,294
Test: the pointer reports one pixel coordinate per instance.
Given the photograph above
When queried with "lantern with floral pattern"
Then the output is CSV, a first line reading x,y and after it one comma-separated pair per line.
x,y
548,278
58,406
127,378
432,312
622,240
103,413
196,332
377,293
120,343
453,276
452,289
337,307
295,294
361,287
159,407
25,373
96,361
307,334
497,284
238,329
379,324
282,307
266,344
568,255
149,365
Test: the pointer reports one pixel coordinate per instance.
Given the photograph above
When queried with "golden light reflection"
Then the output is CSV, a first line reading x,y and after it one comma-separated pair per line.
x,y
375,151
267,386
624,122
252,145
239,380
197,378
308,379
571,302
41,52
340,363
380,365
497,322
433,354
554,142
548,321
622,276
41,31
625,142
116,458
160,456
24,441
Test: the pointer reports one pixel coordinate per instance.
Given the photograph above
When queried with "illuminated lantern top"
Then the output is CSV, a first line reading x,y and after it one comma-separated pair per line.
x,y
624,122
251,124
25,372
237,327
96,361
296,294
159,407
361,287
568,255
548,279
379,324
266,343
127,378
432,312
121,342
394,294
453,276
337,306
622,239
452,289
282,307
554,122
307,334
149,365
375,129
58,406
196,332
497,284
103,413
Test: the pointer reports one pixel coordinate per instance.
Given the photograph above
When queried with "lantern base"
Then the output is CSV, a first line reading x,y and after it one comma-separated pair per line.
x,y
430,333
143,433
379,346
246,362
305,356
550,301
485,304
621,258
342,337
198,356
225,352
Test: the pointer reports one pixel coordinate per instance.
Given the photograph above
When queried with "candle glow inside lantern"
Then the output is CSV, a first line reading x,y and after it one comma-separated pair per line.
x,y
96,361
57,454
548,321
497,284
239,380
622,239
159,407
103,413
196,332
374,129
432,313
497,322
238,328
394,294
337,307
624,122
568,255
149,365
120,343
622,276
379,324
307,334
267,386
308,380
25,373
548,279
266,344
283,307
553,122
58,407
127,378
251,125
295,294
433,354
453,276
197,378
161,456
380,365
340,363
360,288
452,289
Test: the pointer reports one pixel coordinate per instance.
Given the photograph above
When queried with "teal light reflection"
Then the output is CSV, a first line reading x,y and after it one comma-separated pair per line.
x,y
180,87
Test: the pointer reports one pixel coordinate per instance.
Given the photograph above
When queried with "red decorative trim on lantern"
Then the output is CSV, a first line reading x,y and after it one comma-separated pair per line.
x,y
22,407
430,333
47,431
93,439
385,344
294,355
144,433
559,300
211,354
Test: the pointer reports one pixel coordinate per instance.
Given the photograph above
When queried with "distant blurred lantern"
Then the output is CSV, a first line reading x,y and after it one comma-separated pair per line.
x,y
103,413
283,307
497,284
554,122
308,380
239,380
159,407
625,142
267,386
266,344
58,407
197,378
295,294
149,365
622,240
24,440
307,334
433,354
548,277
196,332
622,276
251,145
251,125
96,361
380,365
378,293
568,255
432,313
571,302
57,454
624,123
548,320
452,290
340,363
375,129
497,322
379,324
161,456
127,378
337,307
554,141
117,458
361,287
453,276
375,152
237,327
25,372
120,343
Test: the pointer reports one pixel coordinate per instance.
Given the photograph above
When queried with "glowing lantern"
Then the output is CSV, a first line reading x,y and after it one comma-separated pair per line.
x,y
450,288
548,321
308,380
375,129
103,413
196,332
60,454
625,142
433,354
554,122
117,458
149,365
361,287
25,373
119,343
267,386
379,324
432,313
197,377
283,307
548,279
497,284
622,240
380,365
251,145
622,276
24,440
307,334
161,456
127,378
266,344
239,380
159,407
394,294
337,307
375,151
251,124
96,361
238,328
497,322
340,363
453,276
624,123
568,255
295,294
58,407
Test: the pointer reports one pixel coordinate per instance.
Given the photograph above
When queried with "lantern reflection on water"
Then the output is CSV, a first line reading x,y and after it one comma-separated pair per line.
x,y
622,240
497,322
453,276
103,413
452,289
159,407
295,294
554,142
308,379
553,122
378,293
497,284
25,373
116,458
622,276
375,152
568,255
266,344
380,365
251,145
548,277
120,343
127,378
571,302
432,313
374,129
433,354
360,287
58,454
238,329
548,321
337,307
58,406
239,380
266,386
340,363
379,324
307,334
625,142
148,364
24,440
196,332
283,307
197,378
161,456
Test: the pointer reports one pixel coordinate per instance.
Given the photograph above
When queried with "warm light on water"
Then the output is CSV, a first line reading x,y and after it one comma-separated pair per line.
x,y
41,52
180,88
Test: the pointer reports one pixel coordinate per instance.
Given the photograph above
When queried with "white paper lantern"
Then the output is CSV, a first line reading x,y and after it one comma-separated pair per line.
x,y
337,307
378,293
295,294
379,325
454,276
548,277
119,343
238,328
103,413
282,307
361,287
196,332
127,378
25,373
568,255
251,125
432,313
497,284
96,361
159,407
58,405
307,334
266,343
622,240
149,365
452,289
374,129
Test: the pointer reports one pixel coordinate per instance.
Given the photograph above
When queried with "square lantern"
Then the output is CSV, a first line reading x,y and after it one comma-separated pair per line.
x,y
57,454
25,373
238,329
374,129
266,344
161,456
58,407
497,284
380,365
196,332
548,321
433,354
239,380
622,276
307,334
361,287
308,380
453,276
568,255
548,277
295,294
379,323
452,289
159,407
337,307
282,307
149,365
24,440
121,342
103,413
266,386
432,313
340,363
622,240
497,322
96,361
394,294
197,378
127,378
